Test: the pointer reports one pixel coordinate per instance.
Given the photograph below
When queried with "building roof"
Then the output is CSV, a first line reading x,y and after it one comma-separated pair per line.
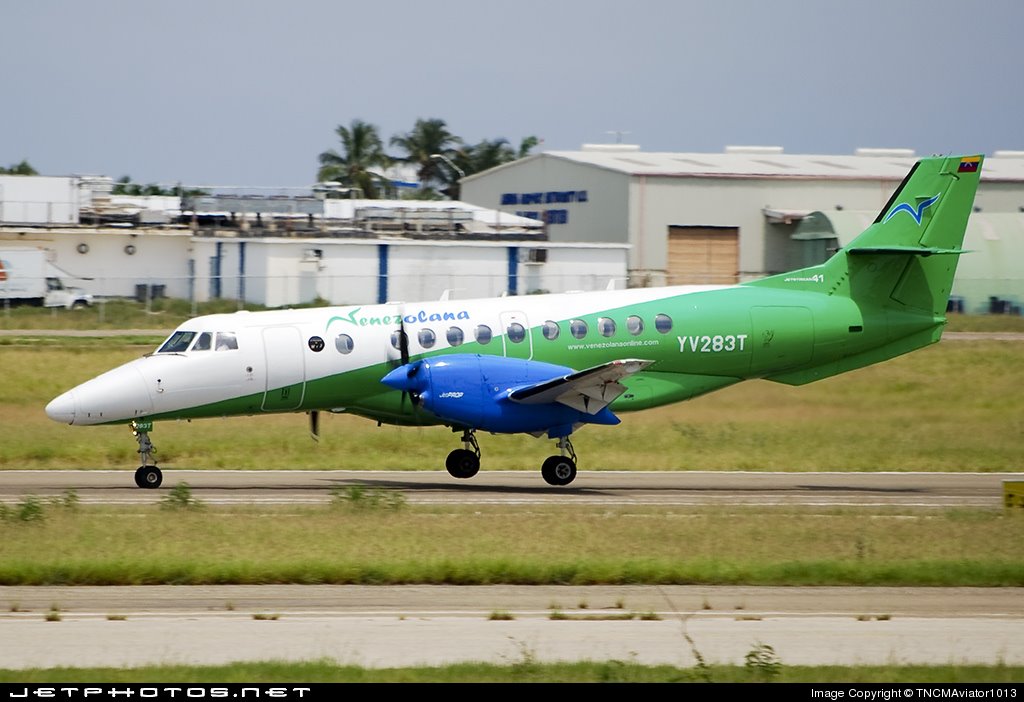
x,y
754,162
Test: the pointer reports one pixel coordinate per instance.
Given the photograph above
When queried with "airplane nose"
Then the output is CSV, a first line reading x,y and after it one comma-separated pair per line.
x,y
62,409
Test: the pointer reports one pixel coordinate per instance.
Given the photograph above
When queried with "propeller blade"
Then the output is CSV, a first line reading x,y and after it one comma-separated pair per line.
x,y
403,342
314,425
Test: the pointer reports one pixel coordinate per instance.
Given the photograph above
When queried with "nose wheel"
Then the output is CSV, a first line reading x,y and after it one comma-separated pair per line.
x,y
147,475
464,462
560,470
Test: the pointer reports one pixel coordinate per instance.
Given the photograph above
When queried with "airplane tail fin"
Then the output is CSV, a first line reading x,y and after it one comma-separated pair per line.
x,y
906,259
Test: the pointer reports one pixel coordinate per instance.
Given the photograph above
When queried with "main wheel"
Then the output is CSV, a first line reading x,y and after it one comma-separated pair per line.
x,y
558,470
462,463
148,477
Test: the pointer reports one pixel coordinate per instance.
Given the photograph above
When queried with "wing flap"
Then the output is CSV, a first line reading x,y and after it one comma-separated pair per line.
x,y
589,390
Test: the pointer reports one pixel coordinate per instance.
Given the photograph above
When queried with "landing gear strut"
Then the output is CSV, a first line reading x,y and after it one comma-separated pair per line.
x,y
147,475
560,470
464,462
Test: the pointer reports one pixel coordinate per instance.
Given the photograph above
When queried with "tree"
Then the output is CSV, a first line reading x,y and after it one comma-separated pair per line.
x,y
362,151
488,154
429,137
23,168
527,145
125,186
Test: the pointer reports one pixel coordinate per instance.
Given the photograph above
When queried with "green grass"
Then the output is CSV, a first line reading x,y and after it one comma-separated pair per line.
x,y
526,670
985,323
956,406
162,315
479,546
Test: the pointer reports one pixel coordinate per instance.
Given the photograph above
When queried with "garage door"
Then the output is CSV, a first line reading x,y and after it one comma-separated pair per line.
x,y
703,255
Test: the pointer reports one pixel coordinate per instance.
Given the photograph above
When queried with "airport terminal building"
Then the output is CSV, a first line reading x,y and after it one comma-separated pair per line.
x,y
720,218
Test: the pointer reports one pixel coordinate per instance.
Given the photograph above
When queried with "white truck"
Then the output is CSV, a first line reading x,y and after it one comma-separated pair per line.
x,y
27,277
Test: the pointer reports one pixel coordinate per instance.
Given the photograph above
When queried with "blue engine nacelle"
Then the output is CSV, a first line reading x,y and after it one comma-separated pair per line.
x,y
471,391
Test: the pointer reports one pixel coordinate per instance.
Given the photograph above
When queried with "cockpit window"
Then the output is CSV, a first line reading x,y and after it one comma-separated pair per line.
x,y
203,342
178,342
226,341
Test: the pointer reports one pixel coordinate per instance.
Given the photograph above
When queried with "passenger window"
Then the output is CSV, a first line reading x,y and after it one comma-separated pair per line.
x,y
344,344
455,336
606,326
663,323
426,337
578,328
397,339
203,342
550,330
483,334
516,332
226,341
178,342
635,325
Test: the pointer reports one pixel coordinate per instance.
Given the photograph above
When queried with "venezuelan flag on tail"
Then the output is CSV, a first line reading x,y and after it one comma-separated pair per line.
x,y
969,164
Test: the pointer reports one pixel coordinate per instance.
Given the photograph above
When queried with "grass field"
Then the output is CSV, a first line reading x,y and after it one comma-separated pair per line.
x,y
526,670
956,406
343,543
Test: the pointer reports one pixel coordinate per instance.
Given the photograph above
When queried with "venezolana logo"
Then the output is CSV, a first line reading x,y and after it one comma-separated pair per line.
x,y
419,317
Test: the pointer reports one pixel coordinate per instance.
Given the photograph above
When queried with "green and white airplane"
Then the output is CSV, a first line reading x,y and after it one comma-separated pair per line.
x,y
549,364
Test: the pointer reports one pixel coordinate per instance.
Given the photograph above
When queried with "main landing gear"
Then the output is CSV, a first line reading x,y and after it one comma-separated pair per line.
x,y
560,470
147,475
557,470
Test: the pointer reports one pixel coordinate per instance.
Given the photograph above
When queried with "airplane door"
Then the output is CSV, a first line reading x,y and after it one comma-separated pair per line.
x,y
286,368
516,336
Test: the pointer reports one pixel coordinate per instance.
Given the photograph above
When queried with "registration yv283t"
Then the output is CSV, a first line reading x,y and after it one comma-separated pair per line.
x,y
712,344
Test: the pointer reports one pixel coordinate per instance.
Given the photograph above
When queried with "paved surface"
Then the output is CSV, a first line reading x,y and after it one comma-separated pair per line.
x,y
397,626
527,487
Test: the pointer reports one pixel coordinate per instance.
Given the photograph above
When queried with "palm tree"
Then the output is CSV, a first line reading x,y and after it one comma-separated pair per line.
x,y
488,154
475,158
526,145
428,137
363,150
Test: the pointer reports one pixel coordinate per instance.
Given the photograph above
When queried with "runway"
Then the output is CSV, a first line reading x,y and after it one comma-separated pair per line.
x,y
433,625
527,487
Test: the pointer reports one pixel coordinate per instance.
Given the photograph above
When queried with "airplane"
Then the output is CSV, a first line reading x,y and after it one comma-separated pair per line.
x,y
548,365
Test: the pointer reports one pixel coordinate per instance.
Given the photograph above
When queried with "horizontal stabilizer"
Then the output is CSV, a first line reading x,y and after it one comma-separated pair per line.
x,y
903,250
589,390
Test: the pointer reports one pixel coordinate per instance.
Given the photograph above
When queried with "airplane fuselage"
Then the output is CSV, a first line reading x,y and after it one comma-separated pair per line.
x,y
699,339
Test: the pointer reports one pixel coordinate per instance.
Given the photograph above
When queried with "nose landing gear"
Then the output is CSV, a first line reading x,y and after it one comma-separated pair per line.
x,y
464,463
147,475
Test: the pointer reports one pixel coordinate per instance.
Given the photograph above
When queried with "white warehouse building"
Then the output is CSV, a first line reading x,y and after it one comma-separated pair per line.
x,y
281,251
722,218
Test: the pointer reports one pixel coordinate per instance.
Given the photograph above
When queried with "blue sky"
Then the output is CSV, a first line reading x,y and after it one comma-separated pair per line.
x,y
232,93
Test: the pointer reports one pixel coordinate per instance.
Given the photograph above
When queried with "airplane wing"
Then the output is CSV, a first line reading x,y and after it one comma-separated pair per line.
x,y
589,390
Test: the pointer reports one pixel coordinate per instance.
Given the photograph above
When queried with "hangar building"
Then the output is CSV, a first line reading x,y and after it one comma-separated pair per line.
x,y
719,218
